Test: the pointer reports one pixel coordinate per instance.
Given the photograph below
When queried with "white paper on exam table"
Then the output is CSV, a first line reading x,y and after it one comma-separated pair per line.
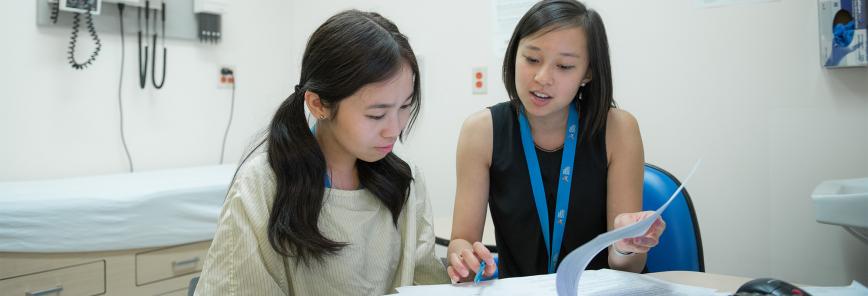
x,y
595,282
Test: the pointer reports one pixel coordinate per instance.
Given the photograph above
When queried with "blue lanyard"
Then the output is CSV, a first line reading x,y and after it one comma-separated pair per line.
x,y
539,197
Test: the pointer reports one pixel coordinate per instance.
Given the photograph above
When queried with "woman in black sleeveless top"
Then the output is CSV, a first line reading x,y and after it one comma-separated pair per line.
x,y
558,77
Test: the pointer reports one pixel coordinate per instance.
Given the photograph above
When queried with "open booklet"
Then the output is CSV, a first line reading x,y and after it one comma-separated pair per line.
x,y
570,270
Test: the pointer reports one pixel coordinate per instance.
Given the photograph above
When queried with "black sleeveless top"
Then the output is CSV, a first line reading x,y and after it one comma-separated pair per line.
x,y
520,244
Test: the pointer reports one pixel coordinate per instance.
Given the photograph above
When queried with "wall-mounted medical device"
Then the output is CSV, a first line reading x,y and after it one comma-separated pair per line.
x,y
180,18
208,14
842,33
81,6
153,20
88,8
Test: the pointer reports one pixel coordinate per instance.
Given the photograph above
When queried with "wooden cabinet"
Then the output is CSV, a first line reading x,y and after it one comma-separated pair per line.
x,y
164,271
161,264
81,279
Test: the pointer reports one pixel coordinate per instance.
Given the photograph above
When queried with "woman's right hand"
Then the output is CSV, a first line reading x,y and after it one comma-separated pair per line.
x,y
464,264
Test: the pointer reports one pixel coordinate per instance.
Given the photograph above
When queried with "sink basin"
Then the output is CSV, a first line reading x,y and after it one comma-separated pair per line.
x,y
844,203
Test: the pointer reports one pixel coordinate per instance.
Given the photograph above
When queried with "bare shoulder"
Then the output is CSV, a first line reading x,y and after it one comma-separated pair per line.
x,y
621,121
476,139
478,122
622,133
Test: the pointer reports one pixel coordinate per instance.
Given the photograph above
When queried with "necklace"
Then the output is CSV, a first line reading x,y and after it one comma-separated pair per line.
x,y
547,150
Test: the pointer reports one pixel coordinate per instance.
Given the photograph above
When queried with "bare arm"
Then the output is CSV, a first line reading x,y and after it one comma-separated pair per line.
x,y
473,160
625,177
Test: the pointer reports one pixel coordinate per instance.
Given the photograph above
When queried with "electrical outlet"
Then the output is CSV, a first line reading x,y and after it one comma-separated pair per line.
x,y
480,78
227,77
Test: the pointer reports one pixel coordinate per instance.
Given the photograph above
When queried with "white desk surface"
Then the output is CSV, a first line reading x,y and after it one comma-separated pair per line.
x,y
723,283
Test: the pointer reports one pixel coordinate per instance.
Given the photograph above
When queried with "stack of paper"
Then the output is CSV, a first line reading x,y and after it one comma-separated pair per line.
x,y
594,282
854,289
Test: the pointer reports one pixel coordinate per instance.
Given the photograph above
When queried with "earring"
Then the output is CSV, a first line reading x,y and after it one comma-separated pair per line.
x,y
583,84
322,116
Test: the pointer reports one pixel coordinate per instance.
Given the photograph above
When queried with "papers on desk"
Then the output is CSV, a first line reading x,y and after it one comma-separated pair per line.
x,y
568,279
570,270
855,289
594,282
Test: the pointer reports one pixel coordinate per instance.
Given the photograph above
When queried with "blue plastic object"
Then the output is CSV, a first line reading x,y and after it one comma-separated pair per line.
x,y
496,271
680,246
844,33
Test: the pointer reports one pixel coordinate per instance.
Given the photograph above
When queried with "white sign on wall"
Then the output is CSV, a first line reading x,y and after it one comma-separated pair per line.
x,y
719,3
506,14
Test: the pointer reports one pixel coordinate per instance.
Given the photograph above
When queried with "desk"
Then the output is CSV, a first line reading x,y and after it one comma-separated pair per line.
x,y
723,283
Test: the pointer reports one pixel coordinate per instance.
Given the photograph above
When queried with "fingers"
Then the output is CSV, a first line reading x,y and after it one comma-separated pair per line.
x,y
470,260
453,275
655,230
642,215
465,264
643,243
486,256
457,266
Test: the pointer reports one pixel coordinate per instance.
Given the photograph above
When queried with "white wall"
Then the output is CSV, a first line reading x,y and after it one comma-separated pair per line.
x,y
742,87
739,86
56,121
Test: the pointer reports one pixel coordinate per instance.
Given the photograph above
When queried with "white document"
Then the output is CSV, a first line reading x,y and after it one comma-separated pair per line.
x,y
720,3
596,283
506,14
855,289
570,270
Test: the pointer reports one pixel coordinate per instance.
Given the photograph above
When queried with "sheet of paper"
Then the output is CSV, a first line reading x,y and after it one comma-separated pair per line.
x,y
570,270
506,14
720,3
595,283
855,289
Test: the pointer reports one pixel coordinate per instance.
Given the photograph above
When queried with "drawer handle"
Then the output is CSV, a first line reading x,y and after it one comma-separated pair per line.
x,y
185,264
44,292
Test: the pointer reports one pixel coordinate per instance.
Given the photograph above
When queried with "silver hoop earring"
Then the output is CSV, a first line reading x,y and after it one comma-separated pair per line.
x,y
322,116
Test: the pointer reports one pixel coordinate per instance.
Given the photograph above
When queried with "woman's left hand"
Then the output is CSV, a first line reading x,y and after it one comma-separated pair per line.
x,y
641,244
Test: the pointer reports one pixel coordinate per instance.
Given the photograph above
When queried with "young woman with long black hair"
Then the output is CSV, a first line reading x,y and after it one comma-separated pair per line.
x,y
329,209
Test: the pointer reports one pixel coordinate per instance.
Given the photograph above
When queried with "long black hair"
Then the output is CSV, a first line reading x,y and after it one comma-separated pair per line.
x,y
350,50
595,98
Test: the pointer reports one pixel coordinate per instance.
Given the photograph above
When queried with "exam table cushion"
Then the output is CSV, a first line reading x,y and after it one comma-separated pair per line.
x,y
113,212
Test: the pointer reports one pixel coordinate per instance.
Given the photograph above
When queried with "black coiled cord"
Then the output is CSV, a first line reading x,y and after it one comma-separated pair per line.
x,y
76,21
55,10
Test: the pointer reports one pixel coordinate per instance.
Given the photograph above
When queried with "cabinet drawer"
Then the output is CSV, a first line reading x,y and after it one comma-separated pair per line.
x,y
165,263
82,279
176,292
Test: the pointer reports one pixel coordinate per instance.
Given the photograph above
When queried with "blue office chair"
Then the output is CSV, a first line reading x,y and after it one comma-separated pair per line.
x,y
680,246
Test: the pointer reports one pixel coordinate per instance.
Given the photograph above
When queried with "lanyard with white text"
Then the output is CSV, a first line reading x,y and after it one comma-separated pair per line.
x,y
563,200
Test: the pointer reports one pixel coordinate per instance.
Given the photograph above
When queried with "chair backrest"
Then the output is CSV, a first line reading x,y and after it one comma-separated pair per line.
x,y
680,246
191,288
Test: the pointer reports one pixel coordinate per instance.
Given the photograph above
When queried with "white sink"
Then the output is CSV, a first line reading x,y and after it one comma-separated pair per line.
x,y
845,203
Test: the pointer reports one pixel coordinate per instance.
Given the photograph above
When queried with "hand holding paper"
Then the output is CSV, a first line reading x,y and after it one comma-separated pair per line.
x,y
641,244
570,270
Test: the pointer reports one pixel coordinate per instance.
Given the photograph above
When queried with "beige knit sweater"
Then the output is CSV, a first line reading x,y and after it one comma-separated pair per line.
x,y
379,257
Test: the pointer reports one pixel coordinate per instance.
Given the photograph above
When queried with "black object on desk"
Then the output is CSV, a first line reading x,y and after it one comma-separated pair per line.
x,y
771,286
